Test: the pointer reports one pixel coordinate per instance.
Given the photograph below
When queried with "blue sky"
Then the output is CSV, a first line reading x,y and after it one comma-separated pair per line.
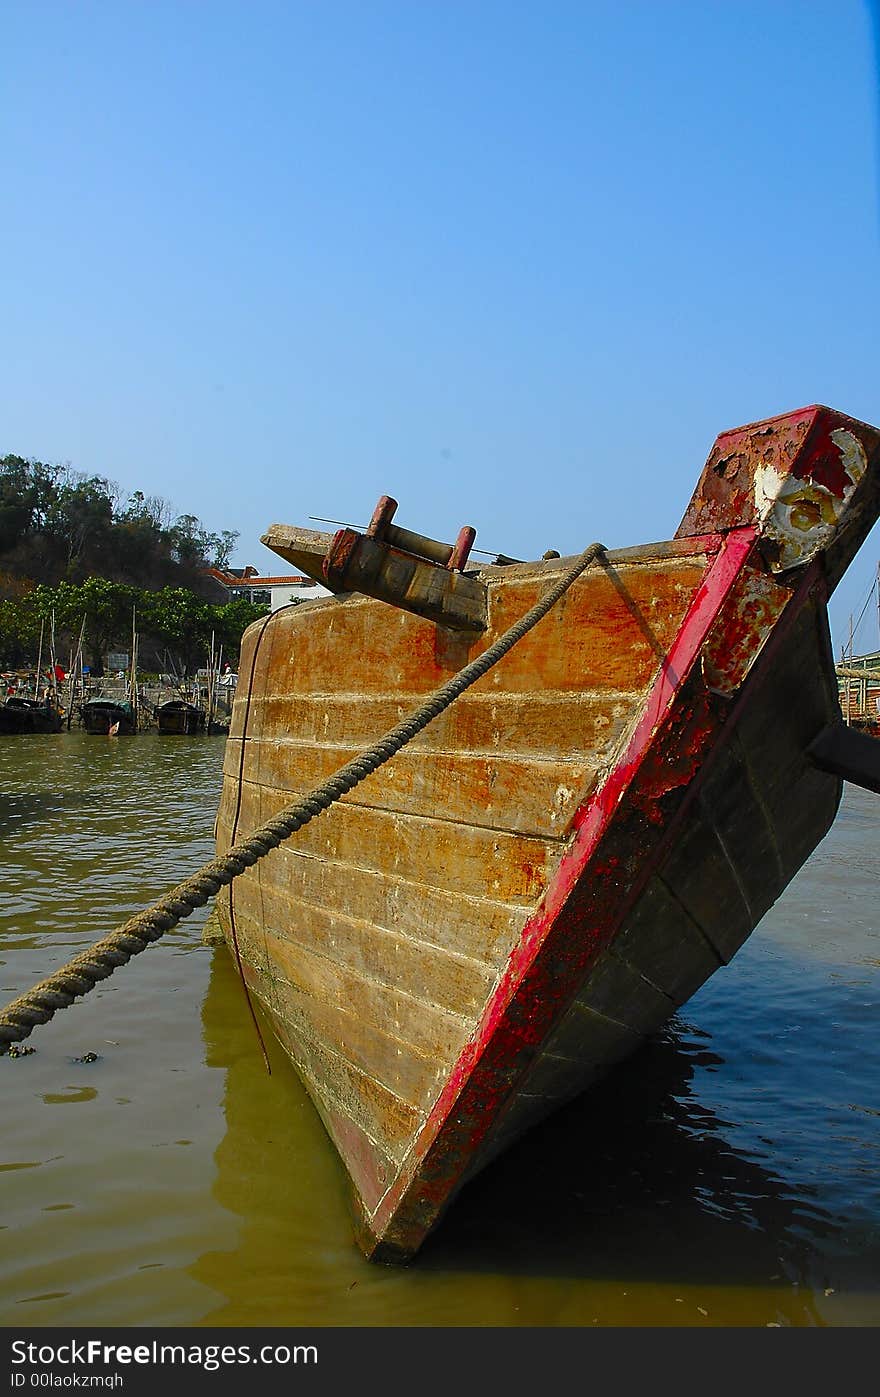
x,y
514,264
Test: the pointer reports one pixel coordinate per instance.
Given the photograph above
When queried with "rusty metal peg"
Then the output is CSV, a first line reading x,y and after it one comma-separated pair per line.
x,y
463,545
382,516
444,554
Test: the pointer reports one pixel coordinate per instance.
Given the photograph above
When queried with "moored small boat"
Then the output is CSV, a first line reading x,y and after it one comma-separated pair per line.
x,y
181,717
101,715
538,880
23,715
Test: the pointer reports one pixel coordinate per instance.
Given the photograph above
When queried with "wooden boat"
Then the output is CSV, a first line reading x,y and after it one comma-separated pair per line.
x,y
494,918
100,714
181,717
19,714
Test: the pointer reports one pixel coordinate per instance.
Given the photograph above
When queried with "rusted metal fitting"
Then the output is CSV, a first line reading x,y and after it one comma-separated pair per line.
x,y
407,570
446,555
463,545
382,516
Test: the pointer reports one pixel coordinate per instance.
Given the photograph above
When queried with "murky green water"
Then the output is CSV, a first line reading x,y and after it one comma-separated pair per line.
x,y
729,1175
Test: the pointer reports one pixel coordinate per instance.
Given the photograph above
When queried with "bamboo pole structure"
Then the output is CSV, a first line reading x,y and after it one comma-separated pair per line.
x,y
39,662
132,680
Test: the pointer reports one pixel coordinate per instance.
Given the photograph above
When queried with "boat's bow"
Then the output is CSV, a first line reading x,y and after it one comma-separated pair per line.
x,y
808,481
505,909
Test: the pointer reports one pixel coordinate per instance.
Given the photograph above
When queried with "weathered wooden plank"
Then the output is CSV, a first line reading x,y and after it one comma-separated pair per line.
x,y
371,565
662,943
547,724
381,1115
583,1034
703,878
529,793
611,630
477,928
526,796
341,1053
238,810
433,1032
449,981
305,549
339,1027
504,867
391,651
614,989
661,551
370,1168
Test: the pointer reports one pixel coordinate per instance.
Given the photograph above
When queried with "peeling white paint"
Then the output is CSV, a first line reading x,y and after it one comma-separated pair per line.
x,y
802,516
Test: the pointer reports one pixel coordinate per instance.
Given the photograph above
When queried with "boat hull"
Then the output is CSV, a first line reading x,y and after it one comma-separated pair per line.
x,y
492,920
99,718
181,719
28,716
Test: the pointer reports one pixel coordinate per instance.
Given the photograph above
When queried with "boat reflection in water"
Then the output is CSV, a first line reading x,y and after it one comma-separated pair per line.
x,y
732,1168
638,1205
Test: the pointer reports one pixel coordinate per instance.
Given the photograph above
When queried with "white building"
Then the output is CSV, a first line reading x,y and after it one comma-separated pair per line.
x,y
275,591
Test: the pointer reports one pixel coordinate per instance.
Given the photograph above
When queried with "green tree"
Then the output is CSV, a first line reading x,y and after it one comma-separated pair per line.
x,y
222,545
107,607
57,524
181,621
19,632
28,490
81,520
65,603
230,623
190,543
173,619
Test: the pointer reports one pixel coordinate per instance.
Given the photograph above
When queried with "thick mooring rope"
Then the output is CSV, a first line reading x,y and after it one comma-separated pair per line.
x,y
81,974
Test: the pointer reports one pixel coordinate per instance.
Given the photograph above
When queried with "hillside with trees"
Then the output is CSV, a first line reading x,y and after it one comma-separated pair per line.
x,y
60,525
74,551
